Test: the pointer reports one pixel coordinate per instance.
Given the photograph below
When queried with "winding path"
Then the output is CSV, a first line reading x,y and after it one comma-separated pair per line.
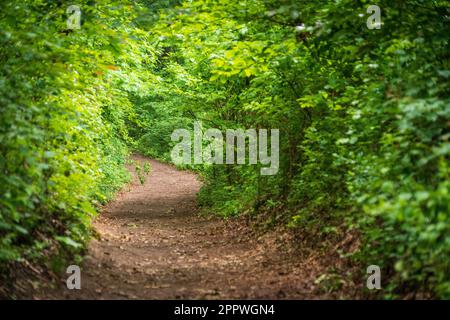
x,y
153,244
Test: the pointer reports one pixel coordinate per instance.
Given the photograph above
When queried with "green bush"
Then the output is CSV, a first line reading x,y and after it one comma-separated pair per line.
x,y
63,133
363,117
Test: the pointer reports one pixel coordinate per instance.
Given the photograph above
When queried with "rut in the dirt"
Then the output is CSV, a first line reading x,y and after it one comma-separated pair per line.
x,y
154,245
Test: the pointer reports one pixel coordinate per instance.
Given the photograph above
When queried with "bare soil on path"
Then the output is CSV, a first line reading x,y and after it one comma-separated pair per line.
x,y
154,244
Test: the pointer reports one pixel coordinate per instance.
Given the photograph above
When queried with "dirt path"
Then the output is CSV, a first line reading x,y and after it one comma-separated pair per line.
x,y
154,245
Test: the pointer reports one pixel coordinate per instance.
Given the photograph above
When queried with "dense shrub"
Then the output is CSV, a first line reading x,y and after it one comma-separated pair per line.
x,y
64,104
363,115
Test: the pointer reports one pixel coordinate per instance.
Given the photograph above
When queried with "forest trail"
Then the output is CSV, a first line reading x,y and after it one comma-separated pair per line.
x,y
153,244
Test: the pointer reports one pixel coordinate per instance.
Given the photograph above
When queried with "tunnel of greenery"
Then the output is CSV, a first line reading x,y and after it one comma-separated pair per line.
x,y
363,117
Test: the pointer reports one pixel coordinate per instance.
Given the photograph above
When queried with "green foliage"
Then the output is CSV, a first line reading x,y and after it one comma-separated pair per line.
x,y
363,116
63,131
142,172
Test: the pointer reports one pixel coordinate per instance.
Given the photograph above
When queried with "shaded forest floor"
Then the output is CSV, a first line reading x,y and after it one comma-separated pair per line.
x,y
154,244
